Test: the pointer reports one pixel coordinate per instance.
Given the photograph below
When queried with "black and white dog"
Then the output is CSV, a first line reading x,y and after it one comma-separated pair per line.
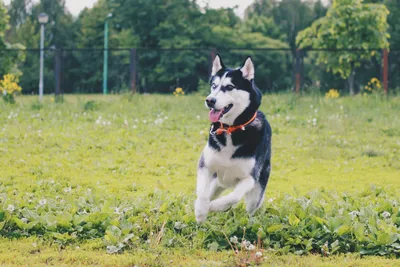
x,y
238,151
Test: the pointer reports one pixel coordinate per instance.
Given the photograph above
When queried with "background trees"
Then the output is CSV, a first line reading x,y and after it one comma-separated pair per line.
x,y
156,27
349,24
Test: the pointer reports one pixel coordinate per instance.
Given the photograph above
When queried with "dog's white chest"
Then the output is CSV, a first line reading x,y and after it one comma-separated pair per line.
x,y
229,170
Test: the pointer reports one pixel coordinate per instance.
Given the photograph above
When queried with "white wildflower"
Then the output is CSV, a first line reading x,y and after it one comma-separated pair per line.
x,y
314,121
251,247
10,208
386,214
166,118
117,211
198,117
271,200
42,202
158,121
134,126
126,122
354,213
67,189
234,239
258,254
144,121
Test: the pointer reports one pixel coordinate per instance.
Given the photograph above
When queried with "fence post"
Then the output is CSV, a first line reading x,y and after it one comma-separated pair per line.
x,y
132,68
57,74
298,71
385,70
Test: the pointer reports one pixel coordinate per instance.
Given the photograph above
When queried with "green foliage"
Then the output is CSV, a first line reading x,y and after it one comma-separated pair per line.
x,y
319,222
8,59
349,24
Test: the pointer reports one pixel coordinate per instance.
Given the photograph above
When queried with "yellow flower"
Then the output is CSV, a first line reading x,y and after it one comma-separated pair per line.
x,y
332,93
9,84
178,91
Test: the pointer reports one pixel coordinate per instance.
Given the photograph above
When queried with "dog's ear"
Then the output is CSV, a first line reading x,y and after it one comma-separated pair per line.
x,y
248,69
217,65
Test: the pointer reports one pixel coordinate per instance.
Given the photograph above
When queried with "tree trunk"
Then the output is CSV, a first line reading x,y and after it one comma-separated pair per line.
x,y
351,81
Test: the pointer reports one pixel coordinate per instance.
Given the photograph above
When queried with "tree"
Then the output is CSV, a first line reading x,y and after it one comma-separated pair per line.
x,y
349,24
9,59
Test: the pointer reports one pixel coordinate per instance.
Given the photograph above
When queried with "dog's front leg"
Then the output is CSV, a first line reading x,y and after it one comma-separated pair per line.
x,y
225,202
202,204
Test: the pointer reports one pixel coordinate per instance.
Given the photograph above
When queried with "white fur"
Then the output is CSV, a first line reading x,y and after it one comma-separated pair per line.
x,y
230,173
239,98
217,65
248,69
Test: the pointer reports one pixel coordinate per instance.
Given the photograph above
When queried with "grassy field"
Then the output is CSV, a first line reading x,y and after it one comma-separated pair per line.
x,y
117,174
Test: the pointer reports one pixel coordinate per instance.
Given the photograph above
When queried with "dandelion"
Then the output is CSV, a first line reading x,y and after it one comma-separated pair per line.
x,y
10,208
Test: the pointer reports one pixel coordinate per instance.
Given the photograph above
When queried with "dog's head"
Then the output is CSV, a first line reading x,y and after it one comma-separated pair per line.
x,y
234,98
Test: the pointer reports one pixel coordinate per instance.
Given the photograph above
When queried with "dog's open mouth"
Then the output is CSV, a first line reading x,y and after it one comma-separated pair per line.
x,y
216,114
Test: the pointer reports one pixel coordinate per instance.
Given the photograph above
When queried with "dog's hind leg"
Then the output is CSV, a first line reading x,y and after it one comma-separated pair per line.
x,y
254,198
225,202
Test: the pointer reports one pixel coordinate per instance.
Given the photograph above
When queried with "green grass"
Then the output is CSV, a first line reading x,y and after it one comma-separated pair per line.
x,y
140,152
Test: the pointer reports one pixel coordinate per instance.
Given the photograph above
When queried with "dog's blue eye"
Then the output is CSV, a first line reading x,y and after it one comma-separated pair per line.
x,y
213,86
229,87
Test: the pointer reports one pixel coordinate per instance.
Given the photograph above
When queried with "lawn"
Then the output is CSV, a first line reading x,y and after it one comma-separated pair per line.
x,y
101,175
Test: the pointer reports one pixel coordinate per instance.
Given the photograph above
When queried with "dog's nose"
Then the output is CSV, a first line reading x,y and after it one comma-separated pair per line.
x,y
210,101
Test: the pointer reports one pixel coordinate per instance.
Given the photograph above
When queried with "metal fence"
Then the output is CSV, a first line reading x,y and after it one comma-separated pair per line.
x,y
162,70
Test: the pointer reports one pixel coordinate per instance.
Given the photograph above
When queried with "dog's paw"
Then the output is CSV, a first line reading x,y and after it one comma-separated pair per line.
x,y
220,205
201,209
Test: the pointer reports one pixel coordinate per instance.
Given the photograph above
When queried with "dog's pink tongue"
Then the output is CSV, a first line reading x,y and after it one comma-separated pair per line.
x,y
214,115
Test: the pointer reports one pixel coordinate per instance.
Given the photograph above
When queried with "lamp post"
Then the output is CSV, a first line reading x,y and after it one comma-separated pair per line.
x,y
43,19
105,63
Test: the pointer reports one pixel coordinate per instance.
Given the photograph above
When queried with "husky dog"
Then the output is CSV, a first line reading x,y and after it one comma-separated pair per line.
x,y
238,151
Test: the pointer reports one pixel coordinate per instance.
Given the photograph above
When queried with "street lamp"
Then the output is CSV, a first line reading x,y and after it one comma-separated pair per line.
x,y
43,19
105,63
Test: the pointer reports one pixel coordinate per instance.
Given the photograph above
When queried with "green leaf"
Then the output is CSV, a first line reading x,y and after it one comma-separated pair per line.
x,y
274,228
293,220
383,239
342,230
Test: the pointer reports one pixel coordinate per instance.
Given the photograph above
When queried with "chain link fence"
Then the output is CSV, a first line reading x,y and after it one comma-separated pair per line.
x,y
146,70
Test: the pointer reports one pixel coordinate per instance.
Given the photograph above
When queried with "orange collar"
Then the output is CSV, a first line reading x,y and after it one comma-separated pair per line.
x,y
232,129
